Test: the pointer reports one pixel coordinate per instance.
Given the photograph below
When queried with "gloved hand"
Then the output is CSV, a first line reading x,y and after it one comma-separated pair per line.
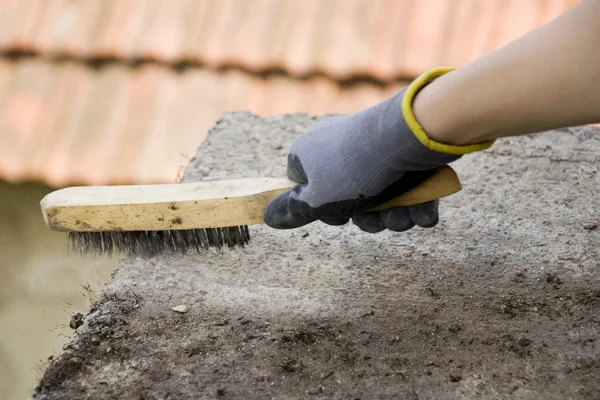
x,y
347,165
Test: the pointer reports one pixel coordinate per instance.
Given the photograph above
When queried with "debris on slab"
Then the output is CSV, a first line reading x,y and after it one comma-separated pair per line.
x,y
182,309
590,225
76,321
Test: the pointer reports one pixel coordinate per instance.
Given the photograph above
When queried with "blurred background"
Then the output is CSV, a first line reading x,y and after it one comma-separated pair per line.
x,y
103,92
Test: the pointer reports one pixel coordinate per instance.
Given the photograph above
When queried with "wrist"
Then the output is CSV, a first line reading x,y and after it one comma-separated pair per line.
x,y
436,125
424,109
441,126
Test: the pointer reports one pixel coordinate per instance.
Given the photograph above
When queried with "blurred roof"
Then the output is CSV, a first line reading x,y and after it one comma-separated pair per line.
x,y
124,91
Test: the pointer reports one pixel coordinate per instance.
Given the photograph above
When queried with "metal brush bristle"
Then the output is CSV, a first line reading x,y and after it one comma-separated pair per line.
x,y
146,243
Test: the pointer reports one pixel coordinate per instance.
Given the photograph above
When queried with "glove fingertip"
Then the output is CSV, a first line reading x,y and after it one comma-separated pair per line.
x,y
369,222
397,219
285,212
425,215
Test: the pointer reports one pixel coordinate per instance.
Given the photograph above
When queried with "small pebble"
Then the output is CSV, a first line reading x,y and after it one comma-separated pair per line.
x,y
181,309
76,321
590,225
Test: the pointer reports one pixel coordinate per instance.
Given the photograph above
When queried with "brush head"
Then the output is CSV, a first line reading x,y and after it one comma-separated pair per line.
x,y
161,218
149,243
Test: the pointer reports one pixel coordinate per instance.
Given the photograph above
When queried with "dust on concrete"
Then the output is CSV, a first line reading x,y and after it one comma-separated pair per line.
x,y
499,301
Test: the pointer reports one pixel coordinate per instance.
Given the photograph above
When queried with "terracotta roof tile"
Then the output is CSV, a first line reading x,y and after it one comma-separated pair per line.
x,y
52,137
27,17
123,19
74,30
23,109
64,132
9,13
140,111
384,39
198,27
10,143
39,35
65,123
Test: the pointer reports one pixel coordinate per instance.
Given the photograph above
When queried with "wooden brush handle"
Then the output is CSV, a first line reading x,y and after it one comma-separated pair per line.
x,y
193,205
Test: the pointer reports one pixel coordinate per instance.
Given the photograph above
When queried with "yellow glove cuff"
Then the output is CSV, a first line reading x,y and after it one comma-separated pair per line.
x,y
417,129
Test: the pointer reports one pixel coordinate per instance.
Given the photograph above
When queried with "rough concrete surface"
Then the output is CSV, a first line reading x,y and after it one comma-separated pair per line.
x,y
501,300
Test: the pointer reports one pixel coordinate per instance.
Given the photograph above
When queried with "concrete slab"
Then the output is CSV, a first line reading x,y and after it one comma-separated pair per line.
x,y
501,300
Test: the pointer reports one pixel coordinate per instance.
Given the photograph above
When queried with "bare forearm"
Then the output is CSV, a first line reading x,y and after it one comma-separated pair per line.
x,y
545,80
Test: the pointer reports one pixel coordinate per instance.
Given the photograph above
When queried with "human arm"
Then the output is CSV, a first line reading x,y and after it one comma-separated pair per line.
x,y
546,79
346,164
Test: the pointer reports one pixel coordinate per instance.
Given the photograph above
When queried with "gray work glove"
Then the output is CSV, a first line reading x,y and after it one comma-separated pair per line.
x,y
347,165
